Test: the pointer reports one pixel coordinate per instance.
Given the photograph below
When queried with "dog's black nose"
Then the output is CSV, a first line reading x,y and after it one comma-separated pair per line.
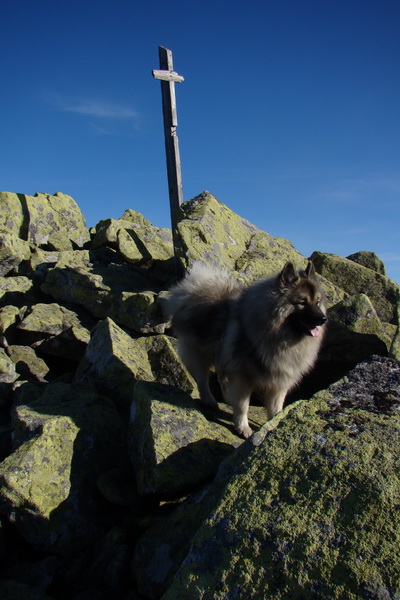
x,y
322,320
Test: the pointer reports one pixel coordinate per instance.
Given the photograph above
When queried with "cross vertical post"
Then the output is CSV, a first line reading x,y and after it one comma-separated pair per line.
x,y
168,77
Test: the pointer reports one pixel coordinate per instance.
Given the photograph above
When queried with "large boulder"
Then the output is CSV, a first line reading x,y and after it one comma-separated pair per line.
x,y
369,260
63,440
173,447
44,220
300,509
209,231
356,279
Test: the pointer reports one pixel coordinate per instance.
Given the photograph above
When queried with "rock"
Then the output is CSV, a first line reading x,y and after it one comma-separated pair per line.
x,y
44,220
8,373
13,590
13,251
42,260
56,330
369,260
354,333
118,487
138,241
356,279
35,574
114,362
295,510
16,291
300,508
27,364
209,231
165,363
116,291
9,316
63,441
172,445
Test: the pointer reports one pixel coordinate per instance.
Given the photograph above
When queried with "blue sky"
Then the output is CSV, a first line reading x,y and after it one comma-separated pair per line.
x,y
289,112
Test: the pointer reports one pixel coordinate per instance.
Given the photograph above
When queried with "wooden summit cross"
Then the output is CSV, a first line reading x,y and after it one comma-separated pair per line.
x,y
168,78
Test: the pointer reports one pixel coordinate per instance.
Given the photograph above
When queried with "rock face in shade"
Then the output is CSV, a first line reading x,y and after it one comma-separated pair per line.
x,y
114,482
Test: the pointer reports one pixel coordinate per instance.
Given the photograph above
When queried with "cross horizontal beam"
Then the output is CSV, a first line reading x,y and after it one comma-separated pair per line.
x,y
167,75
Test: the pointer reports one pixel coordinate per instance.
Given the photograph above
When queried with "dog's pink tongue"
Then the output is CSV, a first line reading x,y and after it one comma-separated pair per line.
x,y
315,332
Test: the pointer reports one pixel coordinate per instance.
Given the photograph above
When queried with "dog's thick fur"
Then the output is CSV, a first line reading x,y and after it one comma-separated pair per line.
x,y
263,338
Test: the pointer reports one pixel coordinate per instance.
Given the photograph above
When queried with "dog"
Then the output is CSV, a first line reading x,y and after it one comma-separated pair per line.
x,y
262,338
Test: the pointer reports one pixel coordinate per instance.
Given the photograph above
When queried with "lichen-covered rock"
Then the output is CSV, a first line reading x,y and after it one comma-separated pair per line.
x,y
27,364
116,291
115,361
165,363
311,511
44,220
16,291
14,214
369,260
138,241
209,231
8,373
63,441
357,314
42,260
56,221
356,279
13,251
56,330
172,445
9,315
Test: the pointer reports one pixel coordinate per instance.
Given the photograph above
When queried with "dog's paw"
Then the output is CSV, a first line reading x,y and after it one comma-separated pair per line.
x,y
245,431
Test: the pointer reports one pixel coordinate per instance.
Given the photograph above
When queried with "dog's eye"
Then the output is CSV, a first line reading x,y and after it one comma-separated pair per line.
x,y
301,302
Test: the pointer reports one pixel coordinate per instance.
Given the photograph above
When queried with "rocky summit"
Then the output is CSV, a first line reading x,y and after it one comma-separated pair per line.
x,y
116,485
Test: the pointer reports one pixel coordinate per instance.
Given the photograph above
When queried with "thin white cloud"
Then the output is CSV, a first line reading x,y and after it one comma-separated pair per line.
x,y
100,110
97,109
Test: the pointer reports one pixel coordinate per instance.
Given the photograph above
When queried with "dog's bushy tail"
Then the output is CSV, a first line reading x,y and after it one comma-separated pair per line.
x,y
205,284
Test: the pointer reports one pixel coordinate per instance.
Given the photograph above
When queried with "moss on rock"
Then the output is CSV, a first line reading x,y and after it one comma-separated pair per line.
x,y
28,365
306,515
369,260
138,241
172,445
356,279
116,291
13,251
62,442
212,233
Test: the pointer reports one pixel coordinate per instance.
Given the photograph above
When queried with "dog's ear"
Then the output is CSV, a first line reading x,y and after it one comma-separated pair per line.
x,y
310,270
288,275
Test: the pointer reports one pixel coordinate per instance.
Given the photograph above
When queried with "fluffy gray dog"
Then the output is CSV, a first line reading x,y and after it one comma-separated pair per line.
x,y
262,338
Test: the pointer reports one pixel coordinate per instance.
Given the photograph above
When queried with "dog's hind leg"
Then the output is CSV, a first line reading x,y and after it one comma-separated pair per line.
x,y
199,365
237,392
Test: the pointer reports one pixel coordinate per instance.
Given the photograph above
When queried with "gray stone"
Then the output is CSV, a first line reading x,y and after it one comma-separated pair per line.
x,y
63,441
302,505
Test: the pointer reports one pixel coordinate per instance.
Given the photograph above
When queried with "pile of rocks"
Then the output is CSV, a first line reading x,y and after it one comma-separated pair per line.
x,y
114,483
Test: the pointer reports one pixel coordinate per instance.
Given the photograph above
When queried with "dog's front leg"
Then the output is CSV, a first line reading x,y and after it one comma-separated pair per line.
x,y
273,400
237,392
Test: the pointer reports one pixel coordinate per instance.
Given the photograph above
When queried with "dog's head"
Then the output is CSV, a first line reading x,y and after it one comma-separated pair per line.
x,y
305,298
